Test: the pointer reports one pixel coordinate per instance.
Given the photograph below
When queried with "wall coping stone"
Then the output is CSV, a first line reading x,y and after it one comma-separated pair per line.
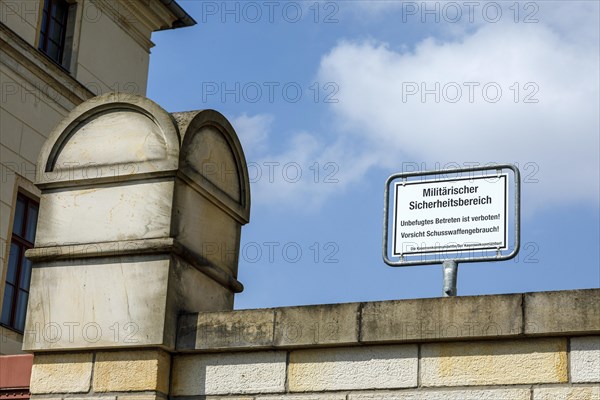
x,y
559,313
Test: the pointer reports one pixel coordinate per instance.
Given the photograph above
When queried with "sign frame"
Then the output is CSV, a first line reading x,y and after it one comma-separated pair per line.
x,y
401,262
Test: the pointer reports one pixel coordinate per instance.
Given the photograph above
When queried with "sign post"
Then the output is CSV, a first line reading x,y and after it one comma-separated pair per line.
x,y
462,215
450,277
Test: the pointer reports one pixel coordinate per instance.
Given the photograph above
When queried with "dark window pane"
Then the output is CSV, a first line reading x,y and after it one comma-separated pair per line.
x,y
19,217
53,8
13,261
42,41
44,22
19,269
25,273
54,25
21,310
18,274
52,51
7,304
55,32
51,33
59,11
53,42
31,222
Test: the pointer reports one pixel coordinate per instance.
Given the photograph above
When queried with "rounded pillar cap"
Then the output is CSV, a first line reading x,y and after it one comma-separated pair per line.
x,y
119,137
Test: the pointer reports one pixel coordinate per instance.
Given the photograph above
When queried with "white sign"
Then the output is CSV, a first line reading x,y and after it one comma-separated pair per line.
x,y
453,215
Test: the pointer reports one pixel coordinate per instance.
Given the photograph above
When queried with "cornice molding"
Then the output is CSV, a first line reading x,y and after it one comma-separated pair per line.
x,y
131,22
138,18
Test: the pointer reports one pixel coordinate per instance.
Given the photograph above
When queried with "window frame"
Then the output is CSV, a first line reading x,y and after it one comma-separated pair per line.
x,y
66,25
20,240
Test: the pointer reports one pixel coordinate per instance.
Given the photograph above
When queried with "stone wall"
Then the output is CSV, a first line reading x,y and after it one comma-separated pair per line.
x,y
536,346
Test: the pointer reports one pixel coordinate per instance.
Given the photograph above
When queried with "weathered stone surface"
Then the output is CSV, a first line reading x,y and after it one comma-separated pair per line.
x,y
45,397
61,373
118,171
585,359
122,371
101,397
192,290
323,324
567,393
467,318
139,138
210,154
113,136
234,373
442,318
314,396
157,396
225,398
448,394
112,302
494,362
115,301
126,212
204,228
222,330
573,311
346,368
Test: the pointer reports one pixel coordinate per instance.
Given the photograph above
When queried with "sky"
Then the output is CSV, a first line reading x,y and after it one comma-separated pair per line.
x,y
330,98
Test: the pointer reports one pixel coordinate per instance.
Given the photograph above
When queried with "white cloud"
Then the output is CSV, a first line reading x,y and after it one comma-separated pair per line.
x,y
560,133
306,172
575,20
253,131
380,124
289,176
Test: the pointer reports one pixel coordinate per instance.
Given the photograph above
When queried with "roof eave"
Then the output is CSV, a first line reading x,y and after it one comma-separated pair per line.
x,y
183,18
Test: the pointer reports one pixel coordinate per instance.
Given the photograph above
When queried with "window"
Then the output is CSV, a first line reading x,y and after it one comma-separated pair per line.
x,y
53,33
18,274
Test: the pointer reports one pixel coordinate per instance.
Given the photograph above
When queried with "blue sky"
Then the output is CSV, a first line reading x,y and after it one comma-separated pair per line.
x,y
347,93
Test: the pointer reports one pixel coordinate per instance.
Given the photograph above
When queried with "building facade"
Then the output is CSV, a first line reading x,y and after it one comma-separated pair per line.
x,y
54,55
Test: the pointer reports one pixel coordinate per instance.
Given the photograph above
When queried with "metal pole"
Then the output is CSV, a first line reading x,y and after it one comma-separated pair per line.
x,y
450,271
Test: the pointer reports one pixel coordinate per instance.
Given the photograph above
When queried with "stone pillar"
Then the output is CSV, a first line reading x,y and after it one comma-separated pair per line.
x,y
140,219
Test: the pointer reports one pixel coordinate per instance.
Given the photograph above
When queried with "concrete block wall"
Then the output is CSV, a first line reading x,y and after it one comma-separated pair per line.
x,y
100,372
538,346
534,346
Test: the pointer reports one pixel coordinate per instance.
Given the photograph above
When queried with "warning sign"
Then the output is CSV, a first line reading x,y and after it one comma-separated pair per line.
x,y
453,215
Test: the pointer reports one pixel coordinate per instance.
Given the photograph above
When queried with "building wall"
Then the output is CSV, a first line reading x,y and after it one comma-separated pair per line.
x,y
110,52
537,346
22,17
126,68
111,46
15,375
